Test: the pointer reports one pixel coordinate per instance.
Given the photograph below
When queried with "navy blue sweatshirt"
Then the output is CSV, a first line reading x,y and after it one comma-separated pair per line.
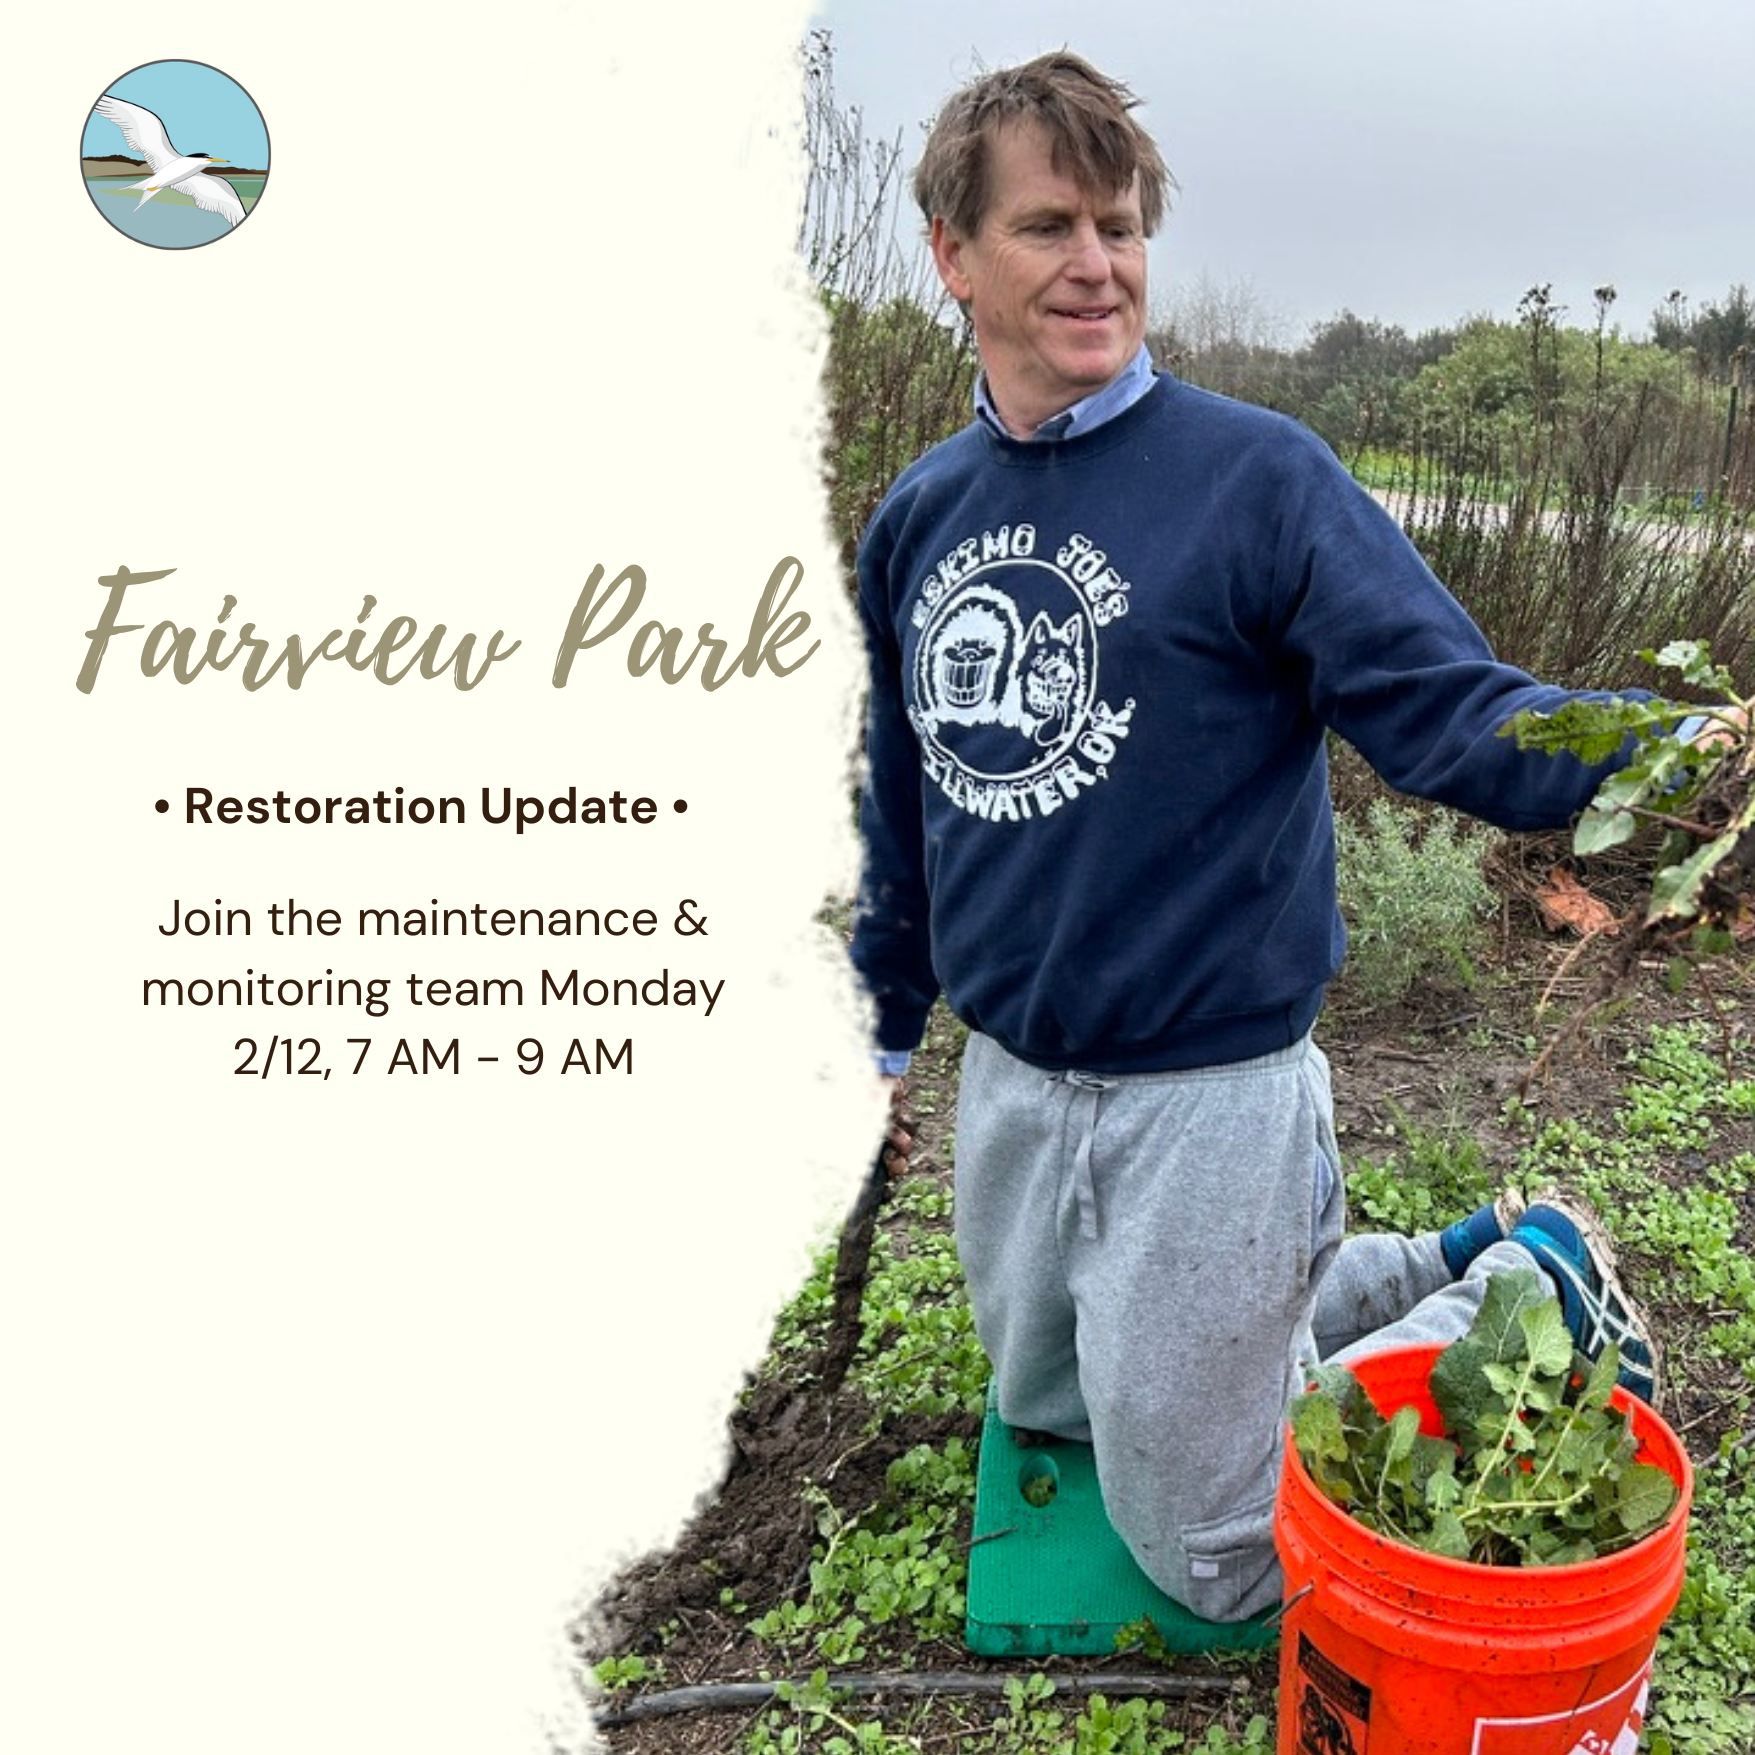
x,y
1097,810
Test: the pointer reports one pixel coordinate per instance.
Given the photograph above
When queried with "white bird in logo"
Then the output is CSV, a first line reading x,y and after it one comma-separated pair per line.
x,y
171,169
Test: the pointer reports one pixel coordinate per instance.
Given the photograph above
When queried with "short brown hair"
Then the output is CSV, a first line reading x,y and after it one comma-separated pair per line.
x,y
1084,114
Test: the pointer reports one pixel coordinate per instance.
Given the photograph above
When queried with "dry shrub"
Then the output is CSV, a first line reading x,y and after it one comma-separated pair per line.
x,y
902,362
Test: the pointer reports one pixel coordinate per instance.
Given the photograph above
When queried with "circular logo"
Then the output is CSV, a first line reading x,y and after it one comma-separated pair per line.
x,y
1006,670
175,155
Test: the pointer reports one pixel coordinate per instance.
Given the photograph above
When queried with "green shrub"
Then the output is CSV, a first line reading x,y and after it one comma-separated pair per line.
x,y
1414,904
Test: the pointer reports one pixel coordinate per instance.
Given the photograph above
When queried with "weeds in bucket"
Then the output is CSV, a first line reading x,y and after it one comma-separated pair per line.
x,y
1538,1469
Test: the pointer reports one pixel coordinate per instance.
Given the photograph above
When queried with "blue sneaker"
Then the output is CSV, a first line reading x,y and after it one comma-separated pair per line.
x,y
1572,1248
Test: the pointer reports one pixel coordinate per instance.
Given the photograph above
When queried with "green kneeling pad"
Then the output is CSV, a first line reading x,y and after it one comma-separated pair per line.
x,y
1047,1572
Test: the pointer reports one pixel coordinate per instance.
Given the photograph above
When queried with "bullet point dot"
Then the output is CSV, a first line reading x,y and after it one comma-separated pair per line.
x,y
163,805
680,806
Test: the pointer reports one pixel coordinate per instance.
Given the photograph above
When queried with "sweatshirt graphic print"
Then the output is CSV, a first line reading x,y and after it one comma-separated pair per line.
x,y
1005,702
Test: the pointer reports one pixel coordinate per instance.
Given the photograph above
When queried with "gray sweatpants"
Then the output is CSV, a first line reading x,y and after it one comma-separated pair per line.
x,y
1151,1260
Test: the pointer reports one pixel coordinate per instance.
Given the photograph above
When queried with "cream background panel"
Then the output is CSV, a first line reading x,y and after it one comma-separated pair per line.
x,y
330,1398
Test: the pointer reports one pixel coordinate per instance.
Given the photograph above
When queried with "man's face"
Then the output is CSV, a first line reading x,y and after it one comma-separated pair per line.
x,y
1055,279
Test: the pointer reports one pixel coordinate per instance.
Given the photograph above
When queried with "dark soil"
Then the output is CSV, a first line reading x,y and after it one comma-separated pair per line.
x,y
753,1537
1446,1059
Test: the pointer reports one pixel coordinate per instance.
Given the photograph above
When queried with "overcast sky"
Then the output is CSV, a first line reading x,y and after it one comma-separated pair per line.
x,y
1413,161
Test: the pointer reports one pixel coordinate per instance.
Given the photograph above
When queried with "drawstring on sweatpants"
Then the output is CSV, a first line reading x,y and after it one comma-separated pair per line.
x,y
1082,1112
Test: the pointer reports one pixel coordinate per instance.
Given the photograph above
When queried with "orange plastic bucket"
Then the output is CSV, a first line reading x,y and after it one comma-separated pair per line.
x,y
1394,1651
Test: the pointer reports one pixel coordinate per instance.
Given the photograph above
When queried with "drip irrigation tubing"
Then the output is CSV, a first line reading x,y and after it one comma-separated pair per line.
x,y
729,1696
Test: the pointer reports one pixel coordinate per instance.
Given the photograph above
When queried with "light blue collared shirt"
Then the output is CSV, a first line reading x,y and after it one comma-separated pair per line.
x,y
1116,397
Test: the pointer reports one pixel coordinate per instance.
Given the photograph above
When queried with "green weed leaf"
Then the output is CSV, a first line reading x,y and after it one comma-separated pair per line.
x,y
1644,1498
1403,1430
1447,1537
1693,658
1546,1335
1316,1427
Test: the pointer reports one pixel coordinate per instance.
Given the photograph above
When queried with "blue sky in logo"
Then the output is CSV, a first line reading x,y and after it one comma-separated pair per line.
x,y
202,110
